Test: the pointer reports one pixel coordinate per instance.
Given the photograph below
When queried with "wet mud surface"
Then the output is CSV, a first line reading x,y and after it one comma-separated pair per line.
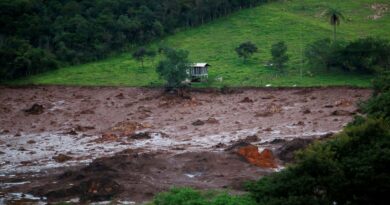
x,y
59,143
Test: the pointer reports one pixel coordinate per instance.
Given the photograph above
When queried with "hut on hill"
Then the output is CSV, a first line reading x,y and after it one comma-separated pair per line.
x,y
199,72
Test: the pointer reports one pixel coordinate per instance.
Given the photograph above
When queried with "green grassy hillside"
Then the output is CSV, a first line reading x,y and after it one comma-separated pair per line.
x,y
297,22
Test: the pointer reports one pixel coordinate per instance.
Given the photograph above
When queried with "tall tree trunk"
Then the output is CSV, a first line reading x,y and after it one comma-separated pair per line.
x,y
334,33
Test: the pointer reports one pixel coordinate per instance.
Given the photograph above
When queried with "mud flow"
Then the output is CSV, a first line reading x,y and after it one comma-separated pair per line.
x,y
127,144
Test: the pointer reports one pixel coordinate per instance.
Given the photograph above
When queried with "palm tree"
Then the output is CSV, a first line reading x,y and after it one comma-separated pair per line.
x,y
335,17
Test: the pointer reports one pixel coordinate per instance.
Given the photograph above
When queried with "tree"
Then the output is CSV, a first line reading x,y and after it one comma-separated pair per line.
x,y
335,17
141,53
323,53
246,49
173,69
279,56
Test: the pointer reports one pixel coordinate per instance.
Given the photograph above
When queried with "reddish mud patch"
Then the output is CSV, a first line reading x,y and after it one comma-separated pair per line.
x,y
174,141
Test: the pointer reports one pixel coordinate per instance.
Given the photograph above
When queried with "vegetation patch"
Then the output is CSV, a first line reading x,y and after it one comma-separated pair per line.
x,y
297,23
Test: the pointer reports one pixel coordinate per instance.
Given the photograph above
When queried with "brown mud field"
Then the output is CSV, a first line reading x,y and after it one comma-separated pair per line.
x,y
127,144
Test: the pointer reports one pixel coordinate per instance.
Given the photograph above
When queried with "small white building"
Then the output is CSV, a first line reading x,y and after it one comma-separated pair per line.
x,y
199,72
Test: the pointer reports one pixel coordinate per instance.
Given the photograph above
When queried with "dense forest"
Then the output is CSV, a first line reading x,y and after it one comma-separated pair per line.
x,y
38,35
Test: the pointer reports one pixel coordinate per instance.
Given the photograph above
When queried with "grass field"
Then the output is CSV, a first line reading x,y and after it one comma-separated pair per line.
x,y
297,22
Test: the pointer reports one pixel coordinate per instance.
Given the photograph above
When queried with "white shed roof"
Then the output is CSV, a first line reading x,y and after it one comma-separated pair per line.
x,y
200,64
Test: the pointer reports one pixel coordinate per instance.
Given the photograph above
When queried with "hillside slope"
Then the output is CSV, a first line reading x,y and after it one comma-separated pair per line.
x,y
297,22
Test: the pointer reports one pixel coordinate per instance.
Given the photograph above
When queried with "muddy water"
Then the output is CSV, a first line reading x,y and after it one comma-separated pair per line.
x,y
73,120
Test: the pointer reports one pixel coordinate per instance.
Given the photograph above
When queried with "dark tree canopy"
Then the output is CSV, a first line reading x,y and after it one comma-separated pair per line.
x,y
246,50
59,32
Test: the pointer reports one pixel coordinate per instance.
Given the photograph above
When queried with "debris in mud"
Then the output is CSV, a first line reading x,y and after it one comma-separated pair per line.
x,y
5,131
273,108
268,97
144,109
31,142
80,128
141,135
246,100
35,109
120,96
306,111
263,114
328,106
265,159
106,137
4,109
61,158
219,145
71,132
99,189
277,141
251,138
198,123
343,103
270,110
212,120
192,103
342,113
87,112
300,123
127,128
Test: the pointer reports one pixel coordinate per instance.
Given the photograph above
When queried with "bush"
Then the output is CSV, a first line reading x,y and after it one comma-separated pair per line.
x,y
323,54
352,168
367,55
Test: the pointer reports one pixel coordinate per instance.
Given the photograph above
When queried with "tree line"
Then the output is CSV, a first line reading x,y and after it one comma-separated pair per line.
x,y
39,35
